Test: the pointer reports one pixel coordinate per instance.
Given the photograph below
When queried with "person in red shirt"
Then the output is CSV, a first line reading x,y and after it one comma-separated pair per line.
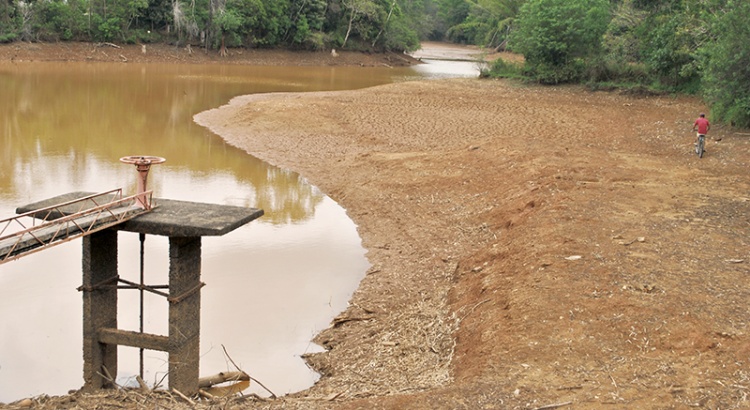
x,y
701,125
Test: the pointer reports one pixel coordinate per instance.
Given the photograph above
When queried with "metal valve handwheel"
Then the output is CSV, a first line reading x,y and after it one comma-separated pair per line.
x,y
142,160
142,165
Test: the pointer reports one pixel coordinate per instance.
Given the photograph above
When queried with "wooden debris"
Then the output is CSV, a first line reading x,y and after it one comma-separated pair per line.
x,y
25,403
222,377
183,397
333,396
144,386
554,406
206,395
339,320
228,390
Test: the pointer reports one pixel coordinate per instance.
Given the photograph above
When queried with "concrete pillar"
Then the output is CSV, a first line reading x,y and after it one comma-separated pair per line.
x,y
99,307
184,313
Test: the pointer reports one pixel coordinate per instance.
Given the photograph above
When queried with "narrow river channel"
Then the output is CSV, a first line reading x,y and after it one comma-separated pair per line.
x,y
271,285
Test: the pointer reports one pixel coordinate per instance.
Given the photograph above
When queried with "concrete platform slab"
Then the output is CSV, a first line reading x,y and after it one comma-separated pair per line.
x,y
170,218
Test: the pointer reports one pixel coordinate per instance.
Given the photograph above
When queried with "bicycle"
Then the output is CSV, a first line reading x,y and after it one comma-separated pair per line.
x,y
700,146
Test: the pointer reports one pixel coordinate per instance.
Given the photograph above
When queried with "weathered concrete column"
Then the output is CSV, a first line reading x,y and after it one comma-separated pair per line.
x,y
99,306
184,313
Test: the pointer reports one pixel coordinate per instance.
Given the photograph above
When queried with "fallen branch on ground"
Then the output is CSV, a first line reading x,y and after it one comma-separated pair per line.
x,y
222,377
186,398
554,406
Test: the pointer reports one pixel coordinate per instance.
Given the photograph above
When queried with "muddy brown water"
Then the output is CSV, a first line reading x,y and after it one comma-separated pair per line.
x,y
271,285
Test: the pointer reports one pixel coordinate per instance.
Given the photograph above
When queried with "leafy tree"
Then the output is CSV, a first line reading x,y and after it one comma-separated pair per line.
x,y
306,21
668,45
487,23
621,39
375,24
396,33
727,74
556,37
158,15
420,16
10,18
360,15
228,22
621,60
190,19
394,29
272,23
451,13
56,20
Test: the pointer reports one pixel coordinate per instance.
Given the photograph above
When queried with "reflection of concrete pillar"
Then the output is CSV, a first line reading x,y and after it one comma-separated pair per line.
x,y
99,307
184,313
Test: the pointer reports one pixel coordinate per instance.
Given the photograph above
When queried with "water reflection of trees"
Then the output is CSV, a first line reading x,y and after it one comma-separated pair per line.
x,y
90,115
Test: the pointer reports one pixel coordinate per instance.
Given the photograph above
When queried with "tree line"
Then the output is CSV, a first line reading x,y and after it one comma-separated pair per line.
x,y
217,24
693,46
698,47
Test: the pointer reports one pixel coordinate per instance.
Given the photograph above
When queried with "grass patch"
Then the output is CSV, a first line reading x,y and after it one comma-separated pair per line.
x,y
503,69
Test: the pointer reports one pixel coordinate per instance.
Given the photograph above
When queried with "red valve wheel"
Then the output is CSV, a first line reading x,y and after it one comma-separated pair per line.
x,y
142,160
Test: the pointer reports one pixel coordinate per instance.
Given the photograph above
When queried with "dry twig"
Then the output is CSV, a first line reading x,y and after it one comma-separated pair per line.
x,y
554,406
108,376
251,378
186,398
206,394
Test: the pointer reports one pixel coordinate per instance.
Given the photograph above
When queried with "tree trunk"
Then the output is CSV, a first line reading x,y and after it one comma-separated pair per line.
x,y
349,29
390,12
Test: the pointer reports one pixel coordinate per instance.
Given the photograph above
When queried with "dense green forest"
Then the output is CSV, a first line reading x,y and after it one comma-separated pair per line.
x,y
692,46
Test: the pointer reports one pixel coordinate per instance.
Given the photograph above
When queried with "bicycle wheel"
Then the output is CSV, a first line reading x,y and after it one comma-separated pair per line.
x,y
700,148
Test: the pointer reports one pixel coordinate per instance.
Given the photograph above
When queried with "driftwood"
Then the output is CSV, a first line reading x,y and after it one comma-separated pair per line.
x,y
231,389
222,377
142,383
186,398
109,45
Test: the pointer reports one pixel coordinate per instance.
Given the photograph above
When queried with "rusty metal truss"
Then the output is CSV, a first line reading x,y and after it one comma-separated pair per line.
x,y
64,222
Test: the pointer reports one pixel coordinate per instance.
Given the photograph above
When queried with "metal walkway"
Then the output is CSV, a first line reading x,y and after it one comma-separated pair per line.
x,y
43,228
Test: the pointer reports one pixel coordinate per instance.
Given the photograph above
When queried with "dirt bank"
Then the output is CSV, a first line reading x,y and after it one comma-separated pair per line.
x,y
530,246
162,53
